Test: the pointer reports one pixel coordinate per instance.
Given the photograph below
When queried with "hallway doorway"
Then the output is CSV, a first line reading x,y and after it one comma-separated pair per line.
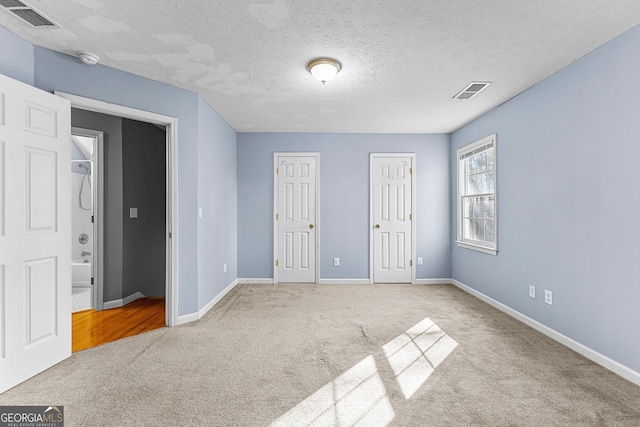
x,y
147,198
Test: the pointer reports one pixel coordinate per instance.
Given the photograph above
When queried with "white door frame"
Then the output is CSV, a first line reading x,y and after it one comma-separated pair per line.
x,y
276,157
413,211
97,172
171,124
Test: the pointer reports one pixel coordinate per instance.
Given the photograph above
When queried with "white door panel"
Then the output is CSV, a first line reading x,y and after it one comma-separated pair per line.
x,y
35,221
391,190
41,190
296,218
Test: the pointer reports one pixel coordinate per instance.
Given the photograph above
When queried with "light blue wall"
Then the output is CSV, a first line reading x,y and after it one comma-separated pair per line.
x,y
206,157
16,59
217,193
568,153
56,71
344,199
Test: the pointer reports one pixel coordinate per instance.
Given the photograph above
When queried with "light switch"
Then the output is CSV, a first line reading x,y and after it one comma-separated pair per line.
x,y
133,212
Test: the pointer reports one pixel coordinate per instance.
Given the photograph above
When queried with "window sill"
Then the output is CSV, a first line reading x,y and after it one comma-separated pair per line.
x,y
482,249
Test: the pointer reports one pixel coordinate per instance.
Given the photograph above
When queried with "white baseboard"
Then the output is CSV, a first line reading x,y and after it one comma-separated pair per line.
x,y
196,316
187,318
432,282
343,281
253,281
216,299
446,281
610,364
121,302
265,281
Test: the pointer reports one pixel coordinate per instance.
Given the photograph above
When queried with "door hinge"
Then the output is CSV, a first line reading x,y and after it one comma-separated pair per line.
x,y
277,217
410,217
276,263
277,171
92,280
410,171
169,234
91,219
410,263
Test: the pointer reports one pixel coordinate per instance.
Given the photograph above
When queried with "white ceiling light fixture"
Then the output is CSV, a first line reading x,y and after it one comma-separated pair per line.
x,y
324,69
88,58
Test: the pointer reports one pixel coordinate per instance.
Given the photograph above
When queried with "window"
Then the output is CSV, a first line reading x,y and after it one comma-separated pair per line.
x,y
477,196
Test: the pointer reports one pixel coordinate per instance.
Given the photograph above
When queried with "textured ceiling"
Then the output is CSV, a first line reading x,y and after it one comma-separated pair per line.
x,y
403,60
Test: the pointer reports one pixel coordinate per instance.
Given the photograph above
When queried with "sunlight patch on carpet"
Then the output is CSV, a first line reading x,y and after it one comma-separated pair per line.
x,y
415,354
356,398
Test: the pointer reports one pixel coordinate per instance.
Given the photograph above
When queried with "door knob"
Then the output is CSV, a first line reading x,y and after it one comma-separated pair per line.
x,y
310,225
377,225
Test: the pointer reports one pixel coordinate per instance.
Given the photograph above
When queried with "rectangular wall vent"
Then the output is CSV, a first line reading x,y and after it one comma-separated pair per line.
x,y
11,3
27,13
471,90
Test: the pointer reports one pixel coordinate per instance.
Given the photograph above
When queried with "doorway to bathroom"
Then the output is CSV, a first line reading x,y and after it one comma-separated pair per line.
x,y
118,251
87,189
138,241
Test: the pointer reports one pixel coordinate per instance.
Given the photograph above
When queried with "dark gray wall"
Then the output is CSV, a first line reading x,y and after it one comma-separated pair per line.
x,y
112,128
144,179
135,167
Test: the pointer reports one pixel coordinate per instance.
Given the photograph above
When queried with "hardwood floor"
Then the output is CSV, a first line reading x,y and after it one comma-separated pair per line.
x,y
91,328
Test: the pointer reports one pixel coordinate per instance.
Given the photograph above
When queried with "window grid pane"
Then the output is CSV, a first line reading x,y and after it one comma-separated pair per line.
x,y
489,232
477,195
479,218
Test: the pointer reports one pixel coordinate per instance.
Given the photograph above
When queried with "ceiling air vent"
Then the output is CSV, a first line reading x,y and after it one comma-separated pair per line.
x,y
27,13
471,90
11,3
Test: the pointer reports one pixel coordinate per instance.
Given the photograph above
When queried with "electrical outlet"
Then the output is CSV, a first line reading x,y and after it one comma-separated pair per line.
x,y
225,267
419,260
532,291
133,212
548,296
336,262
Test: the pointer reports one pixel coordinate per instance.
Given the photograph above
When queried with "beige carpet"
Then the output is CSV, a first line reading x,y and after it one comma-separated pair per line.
x,y
284,355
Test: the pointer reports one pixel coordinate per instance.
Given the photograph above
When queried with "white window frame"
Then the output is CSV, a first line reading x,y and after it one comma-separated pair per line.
x,y
461,153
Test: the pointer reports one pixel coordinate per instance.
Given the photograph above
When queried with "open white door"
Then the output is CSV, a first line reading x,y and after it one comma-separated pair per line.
x,y
391,217
35,230
295,226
